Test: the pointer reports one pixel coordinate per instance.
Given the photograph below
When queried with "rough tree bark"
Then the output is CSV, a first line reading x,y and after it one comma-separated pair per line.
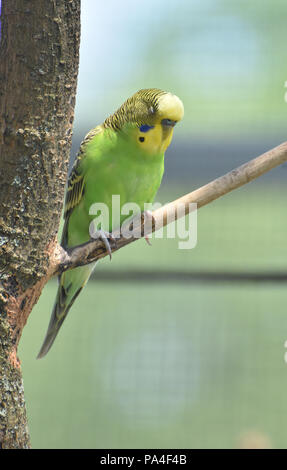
x,y
39,54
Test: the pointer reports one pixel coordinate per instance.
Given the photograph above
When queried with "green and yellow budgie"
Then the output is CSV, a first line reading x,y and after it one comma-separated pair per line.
x,y
123,156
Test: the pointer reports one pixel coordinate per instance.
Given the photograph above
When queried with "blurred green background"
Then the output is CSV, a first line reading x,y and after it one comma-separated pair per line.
x,y
167,362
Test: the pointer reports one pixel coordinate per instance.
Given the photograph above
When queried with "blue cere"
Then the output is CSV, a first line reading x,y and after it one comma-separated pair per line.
x,y
145,128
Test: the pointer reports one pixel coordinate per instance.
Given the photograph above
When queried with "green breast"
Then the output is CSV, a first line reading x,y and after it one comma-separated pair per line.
x,y
115,165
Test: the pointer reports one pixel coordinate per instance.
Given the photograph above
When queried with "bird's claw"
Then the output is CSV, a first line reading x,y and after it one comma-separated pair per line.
x,y
105,237
147,240
147,219
140,224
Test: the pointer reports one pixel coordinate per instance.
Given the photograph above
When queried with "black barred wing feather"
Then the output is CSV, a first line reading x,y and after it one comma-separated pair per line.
x,y
74,191
76,183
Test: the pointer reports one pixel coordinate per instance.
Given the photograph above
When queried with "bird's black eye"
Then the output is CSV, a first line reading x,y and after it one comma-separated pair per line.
x,y
141,139
168,122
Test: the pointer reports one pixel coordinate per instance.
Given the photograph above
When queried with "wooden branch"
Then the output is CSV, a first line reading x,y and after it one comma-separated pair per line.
x,y
95,249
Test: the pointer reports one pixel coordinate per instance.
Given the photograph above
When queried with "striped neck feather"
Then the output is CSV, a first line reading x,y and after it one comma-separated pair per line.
x,y
140,109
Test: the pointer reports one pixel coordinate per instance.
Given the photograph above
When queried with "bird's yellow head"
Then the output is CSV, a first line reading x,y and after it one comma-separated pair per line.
x,y
149,117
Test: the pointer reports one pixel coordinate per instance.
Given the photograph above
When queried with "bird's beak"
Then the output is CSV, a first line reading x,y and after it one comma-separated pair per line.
x,y
168,123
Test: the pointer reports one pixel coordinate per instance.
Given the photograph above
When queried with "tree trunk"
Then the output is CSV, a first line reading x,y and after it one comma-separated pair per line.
x,y
38,75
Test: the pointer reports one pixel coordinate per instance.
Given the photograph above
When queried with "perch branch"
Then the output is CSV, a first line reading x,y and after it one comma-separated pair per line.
x,y
95,249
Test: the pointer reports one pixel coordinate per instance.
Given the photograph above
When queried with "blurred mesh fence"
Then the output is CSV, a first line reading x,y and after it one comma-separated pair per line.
x,y
170,348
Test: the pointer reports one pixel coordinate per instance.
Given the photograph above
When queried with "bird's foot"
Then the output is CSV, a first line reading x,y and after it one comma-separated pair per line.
x,y
105,237
147,240
141,226
148,220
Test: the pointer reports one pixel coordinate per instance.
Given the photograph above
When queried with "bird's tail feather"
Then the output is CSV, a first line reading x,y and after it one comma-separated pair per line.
x,y
70,285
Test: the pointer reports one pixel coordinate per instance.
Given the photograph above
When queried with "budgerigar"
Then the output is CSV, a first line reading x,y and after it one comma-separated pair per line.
x,y
123,156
